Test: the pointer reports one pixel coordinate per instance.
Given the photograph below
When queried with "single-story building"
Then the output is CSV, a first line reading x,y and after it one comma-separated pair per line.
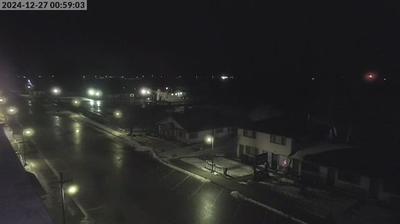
x,y
360,171
193,127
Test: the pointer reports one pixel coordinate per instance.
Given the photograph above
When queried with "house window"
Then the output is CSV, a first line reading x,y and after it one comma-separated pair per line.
x,y
250,150
349,177
193,135
219,130
249,133
241,149
281,140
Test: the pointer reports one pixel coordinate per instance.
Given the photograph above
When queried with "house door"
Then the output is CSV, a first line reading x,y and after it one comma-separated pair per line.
x,y
241,151
274,161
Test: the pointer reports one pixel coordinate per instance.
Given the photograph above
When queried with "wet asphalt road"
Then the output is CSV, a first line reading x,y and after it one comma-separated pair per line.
x,y
118,185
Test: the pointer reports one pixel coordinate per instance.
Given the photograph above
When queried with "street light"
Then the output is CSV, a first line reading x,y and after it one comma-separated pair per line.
x,y
209,139
72,189
117,114
94,92
56,91
3,100
12,110
145,91
91,92
76,102
77,127
98,93
28,132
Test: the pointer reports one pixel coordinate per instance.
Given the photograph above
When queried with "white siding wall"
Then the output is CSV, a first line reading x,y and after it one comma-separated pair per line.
x,y
263,144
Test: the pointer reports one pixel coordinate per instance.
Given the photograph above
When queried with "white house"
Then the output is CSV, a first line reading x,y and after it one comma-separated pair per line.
x,y
276,137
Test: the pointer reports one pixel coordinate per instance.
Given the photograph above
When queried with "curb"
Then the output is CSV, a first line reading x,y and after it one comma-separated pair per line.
x,y
141,148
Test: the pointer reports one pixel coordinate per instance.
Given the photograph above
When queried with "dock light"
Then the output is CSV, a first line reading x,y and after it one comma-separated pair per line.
x,y
91,92
56,91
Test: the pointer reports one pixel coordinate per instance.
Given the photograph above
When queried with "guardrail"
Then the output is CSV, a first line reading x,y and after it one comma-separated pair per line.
x,y
213,167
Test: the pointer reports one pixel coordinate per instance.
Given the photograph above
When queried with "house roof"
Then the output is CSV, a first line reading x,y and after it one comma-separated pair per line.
x,y
287,127
319,148
197,120
361,160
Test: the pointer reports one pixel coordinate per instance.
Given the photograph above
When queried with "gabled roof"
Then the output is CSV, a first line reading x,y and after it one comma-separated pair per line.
x,y
317,149
288,127
366,161
197,120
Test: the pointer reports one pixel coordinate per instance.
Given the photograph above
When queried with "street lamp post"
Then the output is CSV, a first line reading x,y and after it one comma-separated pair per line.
x,y
62,182
210,140
71,190
118,116
26,133
3,100
56,91
11,111
76,102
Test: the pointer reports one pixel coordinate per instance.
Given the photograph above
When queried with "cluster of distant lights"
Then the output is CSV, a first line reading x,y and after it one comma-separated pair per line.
x,y
94,92
145,91
367,77
179,94
142,76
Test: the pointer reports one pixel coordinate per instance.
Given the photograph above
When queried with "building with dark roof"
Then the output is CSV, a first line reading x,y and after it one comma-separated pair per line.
x,y
194,126
358,170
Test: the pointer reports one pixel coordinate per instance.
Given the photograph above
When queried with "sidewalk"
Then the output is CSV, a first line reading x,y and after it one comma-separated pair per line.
x,y
234,169
38,165
20,201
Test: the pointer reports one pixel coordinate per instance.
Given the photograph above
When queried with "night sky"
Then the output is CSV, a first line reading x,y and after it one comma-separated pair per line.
x,y
184,37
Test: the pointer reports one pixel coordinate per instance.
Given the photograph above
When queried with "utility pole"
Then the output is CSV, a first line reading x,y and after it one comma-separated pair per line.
x,y
212,149
62,181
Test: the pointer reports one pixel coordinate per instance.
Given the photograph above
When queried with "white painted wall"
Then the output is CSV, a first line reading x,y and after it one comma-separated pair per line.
x,y
264,145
